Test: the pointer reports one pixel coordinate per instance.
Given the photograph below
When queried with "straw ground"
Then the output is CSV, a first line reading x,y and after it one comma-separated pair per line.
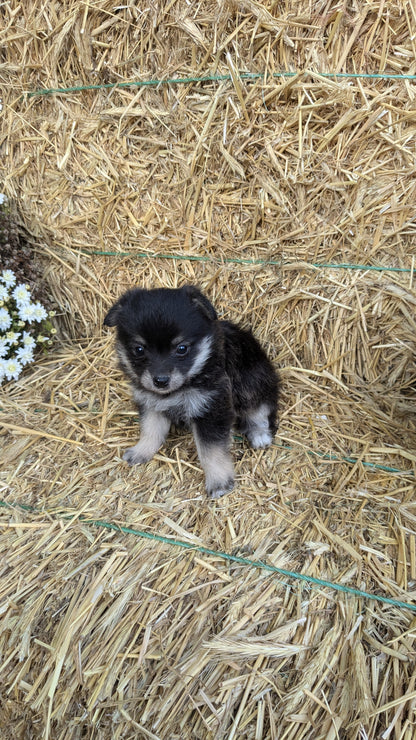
x,y
109,635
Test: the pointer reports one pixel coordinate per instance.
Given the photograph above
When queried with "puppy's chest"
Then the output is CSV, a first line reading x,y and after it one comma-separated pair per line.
x,y
181,407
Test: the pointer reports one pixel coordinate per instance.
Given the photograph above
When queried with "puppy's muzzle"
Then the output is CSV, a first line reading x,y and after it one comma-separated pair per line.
x,y
161,381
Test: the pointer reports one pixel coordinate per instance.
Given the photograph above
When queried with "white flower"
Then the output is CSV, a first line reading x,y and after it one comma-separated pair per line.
x,y
12,337
5,319
28,340
27,312
9,278
12,368
3,197
24,355
4,293
21,295
2,373
39,313
4,346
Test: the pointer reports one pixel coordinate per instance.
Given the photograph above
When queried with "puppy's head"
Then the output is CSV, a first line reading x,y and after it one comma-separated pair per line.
x,y
164,336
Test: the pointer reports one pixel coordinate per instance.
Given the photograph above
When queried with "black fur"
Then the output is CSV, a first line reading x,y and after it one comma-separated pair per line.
x,y
187,367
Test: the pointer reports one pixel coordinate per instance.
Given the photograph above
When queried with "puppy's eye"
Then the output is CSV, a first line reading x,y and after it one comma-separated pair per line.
x,y
139,350
182,349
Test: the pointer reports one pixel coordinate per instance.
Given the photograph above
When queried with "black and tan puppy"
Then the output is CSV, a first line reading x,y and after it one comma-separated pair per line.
x,y
187,367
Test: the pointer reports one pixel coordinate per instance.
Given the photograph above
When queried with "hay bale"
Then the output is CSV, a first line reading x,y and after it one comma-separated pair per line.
x,y
243,186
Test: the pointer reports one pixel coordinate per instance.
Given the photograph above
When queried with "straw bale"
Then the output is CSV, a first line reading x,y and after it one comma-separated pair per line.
x,y
243,186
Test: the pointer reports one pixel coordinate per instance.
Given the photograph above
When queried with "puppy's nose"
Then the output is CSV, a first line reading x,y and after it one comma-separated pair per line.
x,y
161,381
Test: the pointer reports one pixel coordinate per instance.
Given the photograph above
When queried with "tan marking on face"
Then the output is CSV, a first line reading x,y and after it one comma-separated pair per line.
x,y
203,352
176,381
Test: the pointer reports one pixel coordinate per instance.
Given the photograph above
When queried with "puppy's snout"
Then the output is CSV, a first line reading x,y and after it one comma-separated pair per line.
x,y
161,381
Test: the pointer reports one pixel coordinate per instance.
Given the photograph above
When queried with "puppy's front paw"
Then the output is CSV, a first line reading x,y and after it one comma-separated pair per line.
x,y
136,456
216,490
259,439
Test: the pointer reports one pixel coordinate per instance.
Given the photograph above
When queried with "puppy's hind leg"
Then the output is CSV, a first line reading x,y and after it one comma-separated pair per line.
x,y
259,425
154,430
216,462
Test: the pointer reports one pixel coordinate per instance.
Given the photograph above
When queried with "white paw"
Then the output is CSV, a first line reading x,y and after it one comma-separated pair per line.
x,y
259,439
216,490
136,456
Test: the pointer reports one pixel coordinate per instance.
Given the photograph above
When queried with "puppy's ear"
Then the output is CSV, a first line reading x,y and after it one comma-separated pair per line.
x,y
129,300
201,302
111,318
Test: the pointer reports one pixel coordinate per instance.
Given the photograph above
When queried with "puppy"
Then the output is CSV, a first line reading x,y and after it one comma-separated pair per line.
x,y
188,368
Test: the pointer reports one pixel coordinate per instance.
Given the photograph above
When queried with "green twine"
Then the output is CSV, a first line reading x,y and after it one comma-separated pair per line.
x,y
354,461
343,459
217,78
310,580
244,261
